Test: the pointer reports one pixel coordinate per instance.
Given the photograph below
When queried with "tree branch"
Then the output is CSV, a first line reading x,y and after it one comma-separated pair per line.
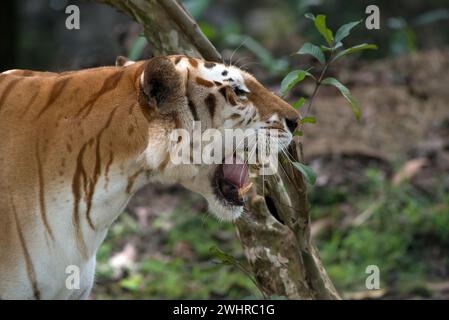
x,y
190,28
275,232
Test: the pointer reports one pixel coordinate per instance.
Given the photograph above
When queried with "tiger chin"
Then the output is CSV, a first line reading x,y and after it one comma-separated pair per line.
x,y
77,145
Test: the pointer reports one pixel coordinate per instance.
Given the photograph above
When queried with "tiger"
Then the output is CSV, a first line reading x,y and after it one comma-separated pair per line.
x,y
76,145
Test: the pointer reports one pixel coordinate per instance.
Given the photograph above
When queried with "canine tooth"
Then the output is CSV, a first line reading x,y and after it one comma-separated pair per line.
x,y
243,190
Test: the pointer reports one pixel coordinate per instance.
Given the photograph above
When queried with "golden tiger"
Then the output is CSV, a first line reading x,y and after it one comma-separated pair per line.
x,y
75,146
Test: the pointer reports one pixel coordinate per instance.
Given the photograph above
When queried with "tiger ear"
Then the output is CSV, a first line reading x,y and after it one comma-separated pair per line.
x,y
122,61
161,81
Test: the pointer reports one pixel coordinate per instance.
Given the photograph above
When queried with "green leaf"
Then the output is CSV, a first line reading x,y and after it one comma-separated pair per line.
x,y
308,120
320,25
346,93
345,30
299,103
360,47
313,50
133,283
298,133
338,45
223,256
310,16
306,171
323,48
327,49
292,79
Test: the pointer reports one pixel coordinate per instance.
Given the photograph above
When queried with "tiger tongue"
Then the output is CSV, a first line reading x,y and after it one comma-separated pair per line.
x,y
235,173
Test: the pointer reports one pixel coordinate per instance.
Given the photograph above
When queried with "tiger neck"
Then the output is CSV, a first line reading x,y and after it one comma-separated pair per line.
x,y
105,166
137,160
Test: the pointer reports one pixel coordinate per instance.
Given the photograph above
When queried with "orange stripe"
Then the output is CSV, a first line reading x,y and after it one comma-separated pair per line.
x,y
97,169
56,91
204,82
193,62
28,263
7,91
30,103
131,180
42,193
76,190
109,84
108,165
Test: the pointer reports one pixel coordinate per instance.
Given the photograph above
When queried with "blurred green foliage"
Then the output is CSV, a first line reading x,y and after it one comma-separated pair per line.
x,y
406,235
406,25
163,275
275,29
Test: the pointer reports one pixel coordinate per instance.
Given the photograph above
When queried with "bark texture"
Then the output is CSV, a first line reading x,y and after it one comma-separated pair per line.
x,y
168,28
275,235
275,231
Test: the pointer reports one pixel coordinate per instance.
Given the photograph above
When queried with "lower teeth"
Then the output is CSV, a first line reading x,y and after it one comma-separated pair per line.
x,y
243,190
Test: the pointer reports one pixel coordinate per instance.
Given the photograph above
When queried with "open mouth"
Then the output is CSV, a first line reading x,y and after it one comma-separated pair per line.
x,y
231,182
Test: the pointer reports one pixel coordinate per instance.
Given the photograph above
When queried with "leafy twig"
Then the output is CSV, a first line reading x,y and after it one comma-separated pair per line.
x,y
227,259
335,49
315,90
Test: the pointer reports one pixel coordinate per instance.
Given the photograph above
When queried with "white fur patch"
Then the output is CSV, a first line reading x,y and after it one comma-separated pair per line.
x,y
215,73
10,71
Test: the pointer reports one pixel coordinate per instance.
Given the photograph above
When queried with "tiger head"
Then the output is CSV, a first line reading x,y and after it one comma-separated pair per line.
x,y
217,96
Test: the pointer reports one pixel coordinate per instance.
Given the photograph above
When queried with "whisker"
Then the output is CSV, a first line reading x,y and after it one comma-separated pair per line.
x,y
283,150
288,206
243,140
245,66
235,50
239,60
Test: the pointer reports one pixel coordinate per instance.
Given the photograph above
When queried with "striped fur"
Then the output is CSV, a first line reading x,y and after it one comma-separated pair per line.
x,y
75,146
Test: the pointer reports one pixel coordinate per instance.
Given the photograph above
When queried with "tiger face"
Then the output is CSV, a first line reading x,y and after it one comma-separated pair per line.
x,y
217,96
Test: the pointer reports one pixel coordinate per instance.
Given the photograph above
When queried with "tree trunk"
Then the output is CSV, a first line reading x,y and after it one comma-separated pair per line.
x,y
275,231
275,234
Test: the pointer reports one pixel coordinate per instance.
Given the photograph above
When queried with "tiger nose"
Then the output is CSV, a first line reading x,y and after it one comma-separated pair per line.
x,y
292,123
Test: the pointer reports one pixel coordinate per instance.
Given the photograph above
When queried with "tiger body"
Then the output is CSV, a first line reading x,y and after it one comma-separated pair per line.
x,y
75,146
